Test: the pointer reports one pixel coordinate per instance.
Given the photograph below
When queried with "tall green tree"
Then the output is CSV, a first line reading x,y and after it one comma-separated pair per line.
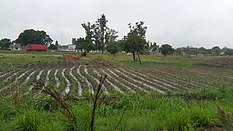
x,y
101,22
228,52
56,43
111,36
99,33
89,30
166,49
54,46
31,36
153,46
135,41
113,47
5,43
84,45
216,50
203,51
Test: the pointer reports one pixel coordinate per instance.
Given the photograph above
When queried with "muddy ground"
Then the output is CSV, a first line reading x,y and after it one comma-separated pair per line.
x,y
221,62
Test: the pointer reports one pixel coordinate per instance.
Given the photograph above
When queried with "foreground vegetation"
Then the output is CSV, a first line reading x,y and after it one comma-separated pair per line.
x,y
203,108
193,109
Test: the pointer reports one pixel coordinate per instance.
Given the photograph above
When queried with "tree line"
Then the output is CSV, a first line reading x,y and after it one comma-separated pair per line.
x,y
100,38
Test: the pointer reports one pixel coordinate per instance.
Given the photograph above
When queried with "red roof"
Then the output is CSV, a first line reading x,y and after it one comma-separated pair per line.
x,y
36,47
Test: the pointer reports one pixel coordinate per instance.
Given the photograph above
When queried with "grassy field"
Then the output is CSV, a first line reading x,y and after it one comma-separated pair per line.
x,y
187,94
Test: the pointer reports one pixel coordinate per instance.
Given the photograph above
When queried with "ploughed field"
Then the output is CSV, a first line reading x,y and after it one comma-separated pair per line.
x,y
79,78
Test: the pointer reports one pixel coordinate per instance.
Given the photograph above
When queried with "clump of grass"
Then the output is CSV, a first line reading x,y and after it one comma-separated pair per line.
x,y
29,121
204,93
59,100
6,111
179,121
226,118
45,103
200,117
83,111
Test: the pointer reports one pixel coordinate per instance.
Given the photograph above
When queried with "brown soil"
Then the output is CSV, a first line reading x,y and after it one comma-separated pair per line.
x,y
196,97
46,55
103,63
221,62
57,64
215,129
70,57
69,62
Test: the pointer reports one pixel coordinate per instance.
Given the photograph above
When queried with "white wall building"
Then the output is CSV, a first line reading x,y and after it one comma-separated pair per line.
x,y
15,46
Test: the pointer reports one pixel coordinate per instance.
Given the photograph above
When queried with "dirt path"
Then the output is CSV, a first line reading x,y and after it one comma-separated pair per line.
x,y
46,55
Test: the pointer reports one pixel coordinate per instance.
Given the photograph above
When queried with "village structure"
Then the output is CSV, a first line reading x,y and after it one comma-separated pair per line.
x,y
40,47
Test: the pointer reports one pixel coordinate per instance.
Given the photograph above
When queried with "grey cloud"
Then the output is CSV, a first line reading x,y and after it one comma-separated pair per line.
x,y
179,22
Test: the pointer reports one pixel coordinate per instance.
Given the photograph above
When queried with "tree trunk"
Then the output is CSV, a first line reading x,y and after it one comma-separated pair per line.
x,y
102,48
134,56
139,58
102,51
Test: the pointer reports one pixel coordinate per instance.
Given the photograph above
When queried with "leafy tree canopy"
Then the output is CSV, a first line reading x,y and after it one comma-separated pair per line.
x,y
31,36
53,47
216,50
83,44
166,49
204,51
56,43
99,33
153,46
5,43
135,41
113,47
228,52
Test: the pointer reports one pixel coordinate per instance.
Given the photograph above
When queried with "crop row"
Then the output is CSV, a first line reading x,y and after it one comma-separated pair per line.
x,y
80,79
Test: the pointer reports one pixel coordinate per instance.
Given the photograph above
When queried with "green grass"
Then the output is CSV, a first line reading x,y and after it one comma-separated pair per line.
x,y
148,60
13,60
153,60
143,112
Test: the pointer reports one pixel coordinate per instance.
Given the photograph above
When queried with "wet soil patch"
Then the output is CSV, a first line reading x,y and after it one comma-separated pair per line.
x,y
221,62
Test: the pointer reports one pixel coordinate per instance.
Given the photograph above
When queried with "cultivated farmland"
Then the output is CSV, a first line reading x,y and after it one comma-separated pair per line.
x,y
79,78
163,93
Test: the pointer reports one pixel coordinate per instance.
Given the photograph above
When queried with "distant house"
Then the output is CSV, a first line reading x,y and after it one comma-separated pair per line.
x,y
63,47
69,47
188,51
36,47
15,46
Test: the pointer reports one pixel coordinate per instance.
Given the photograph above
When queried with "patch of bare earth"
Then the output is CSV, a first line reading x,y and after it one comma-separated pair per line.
x,y
221,62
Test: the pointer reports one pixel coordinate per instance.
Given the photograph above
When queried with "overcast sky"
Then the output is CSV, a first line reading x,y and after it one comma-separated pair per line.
x,y
179,22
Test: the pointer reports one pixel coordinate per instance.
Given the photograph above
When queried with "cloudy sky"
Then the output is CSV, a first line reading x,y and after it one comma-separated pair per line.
x,y
179,22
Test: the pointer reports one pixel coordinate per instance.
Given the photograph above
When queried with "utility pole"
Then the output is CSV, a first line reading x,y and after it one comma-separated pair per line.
x,y
62,38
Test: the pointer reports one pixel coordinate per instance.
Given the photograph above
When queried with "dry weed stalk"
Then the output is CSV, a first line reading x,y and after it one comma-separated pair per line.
x,y
120,119
95,101
15,93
